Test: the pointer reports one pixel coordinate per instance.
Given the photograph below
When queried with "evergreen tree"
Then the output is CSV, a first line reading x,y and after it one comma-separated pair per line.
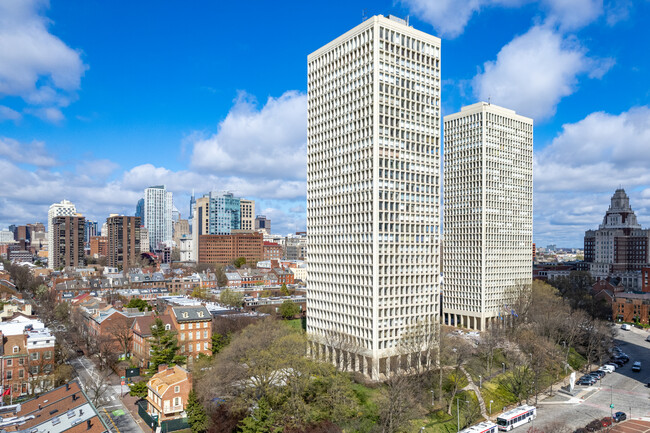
x,y
261,420
164,347
196,416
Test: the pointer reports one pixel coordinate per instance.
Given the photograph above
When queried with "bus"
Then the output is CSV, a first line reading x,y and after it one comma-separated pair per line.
x,y
483,427
516,417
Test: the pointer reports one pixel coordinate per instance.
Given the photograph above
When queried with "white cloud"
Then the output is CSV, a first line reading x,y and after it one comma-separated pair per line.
x,y
533,72
27,153
267,142
450,17
579,171
573,14
7,113
34,64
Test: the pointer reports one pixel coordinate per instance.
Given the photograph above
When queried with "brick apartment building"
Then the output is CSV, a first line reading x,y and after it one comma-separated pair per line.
x,y
223,249
167,392
272,251
68,235
194,327
27,358
141,329
631,307
98,246
123,241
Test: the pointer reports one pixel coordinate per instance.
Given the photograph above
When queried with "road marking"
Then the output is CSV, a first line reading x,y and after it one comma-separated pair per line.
x,y
109,417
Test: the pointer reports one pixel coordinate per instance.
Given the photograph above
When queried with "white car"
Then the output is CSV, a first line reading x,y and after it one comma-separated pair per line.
x,y
626,327
612,366
609,368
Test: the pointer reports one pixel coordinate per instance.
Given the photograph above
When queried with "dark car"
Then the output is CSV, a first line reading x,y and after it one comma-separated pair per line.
x,y
618,362
580,430
597,374
80,352
619,416
625,358
594,426
607,421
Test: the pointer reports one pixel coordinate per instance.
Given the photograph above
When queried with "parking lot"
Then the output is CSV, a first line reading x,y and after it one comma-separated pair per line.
x,y
624,389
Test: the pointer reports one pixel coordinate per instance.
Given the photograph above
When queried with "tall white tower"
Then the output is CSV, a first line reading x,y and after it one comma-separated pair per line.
x,y
65,208
158,206
488,200
373,196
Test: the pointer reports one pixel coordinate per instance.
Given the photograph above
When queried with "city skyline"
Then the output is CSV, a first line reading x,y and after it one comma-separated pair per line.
x,y
95,116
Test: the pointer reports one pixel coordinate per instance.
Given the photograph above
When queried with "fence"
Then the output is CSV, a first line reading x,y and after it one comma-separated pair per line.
x,y
165,426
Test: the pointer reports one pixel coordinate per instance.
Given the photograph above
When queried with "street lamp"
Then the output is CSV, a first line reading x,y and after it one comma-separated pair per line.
x,y
480,381
458,413
491,401
433,400
503,364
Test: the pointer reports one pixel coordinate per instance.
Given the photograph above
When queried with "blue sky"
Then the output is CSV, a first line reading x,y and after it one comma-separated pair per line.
x,y
100,99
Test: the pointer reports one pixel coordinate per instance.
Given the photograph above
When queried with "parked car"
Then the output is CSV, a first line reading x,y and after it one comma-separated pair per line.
x,y
626,327
614,366
607,421
636,366
598,373
619,416
607,368
623,358
580,430
595,425
617,362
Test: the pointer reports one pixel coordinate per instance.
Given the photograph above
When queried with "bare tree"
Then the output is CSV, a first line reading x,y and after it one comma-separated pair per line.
x,y
397,403
97,387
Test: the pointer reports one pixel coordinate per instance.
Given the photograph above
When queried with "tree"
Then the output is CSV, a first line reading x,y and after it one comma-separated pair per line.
x,y
139,389
289,310
97,388
231,298
222,279
138,303
196,416
264,370
219,341
397,403
200,293
238,262
120,330
164,347
284,290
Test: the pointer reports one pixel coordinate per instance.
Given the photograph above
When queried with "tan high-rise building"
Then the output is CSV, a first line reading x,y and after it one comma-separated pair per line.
x,y
488,214
373,197
123,241
247,214
98,246
68,241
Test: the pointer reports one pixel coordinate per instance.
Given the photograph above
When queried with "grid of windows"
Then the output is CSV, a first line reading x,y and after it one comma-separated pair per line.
x,y
488,212
373,186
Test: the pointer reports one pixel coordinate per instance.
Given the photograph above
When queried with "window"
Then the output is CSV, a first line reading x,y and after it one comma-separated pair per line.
x,y
34,356
16,349
48,354
9,362
168,327
205,334
9,375
21,361
205,345
198,334
182,336
189,326
182,326
198,346
21,373
189,347
205,324
33,369
177,401
177,389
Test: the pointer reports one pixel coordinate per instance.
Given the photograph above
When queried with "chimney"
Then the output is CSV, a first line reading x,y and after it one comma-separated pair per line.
x,y
88,424
74,397
162,367
67,386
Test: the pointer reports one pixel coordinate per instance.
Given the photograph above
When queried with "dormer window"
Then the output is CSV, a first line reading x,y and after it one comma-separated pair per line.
x,y
16,349
200,313
185,315
168,327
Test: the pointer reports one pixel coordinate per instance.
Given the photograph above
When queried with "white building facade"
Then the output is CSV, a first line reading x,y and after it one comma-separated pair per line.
x,y
64,208
158,206
488,206
373,196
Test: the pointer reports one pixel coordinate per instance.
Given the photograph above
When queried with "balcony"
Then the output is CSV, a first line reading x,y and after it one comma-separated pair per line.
x,y
172,409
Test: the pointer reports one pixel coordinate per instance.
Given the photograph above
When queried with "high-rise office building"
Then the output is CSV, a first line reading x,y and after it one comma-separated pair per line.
x,y
91,230
158,205
488,206
139,209
68,238
216,213
263,223
373,197
247,214
65,208
123,241
191,217
620,247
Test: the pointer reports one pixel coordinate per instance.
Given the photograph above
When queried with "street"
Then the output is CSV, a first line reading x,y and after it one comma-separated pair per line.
x,y
107,396
624,389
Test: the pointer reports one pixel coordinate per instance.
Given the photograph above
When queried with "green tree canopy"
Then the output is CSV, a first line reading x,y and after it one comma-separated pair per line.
x,y
289,310
196,416
231,298
164,347
138,303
